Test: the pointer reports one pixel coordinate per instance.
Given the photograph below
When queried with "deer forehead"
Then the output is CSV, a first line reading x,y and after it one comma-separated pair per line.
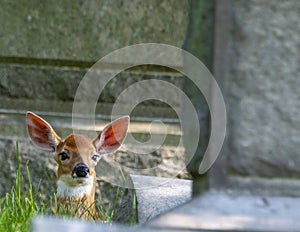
x,y
78,144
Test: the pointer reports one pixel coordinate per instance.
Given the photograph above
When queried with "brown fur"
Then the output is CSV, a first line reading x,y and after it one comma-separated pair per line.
x,y
74,145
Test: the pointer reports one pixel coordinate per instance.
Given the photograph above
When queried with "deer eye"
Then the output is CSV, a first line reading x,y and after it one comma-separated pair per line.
x,y
95,157
63,156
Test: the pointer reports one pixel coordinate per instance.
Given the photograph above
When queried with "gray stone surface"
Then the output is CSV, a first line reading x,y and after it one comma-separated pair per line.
x,y
44,224
199,42
60,83
264,92
13,124
165,161
260,79
222,212
156,195
45,50
209,212
86,31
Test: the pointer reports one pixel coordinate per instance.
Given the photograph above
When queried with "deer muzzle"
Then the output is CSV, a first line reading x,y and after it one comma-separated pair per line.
x,y
81,171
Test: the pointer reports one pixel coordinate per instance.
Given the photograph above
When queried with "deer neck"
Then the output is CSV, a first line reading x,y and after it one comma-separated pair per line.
x,y
78,200
84,190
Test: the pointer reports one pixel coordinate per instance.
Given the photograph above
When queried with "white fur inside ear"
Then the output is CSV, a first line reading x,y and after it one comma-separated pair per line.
x,y
55,141
67,186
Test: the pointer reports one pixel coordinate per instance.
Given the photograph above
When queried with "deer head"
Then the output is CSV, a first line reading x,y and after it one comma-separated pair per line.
x,y
77,155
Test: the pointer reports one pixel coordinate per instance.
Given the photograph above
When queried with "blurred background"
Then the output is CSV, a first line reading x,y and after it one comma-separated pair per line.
x,y
251,46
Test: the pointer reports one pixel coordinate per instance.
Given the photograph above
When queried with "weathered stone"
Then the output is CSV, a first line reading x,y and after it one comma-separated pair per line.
x,y
261,75
156,195
48,224
13,124
75,30
61,83
164,162
223,212
199,42
210,212
45,50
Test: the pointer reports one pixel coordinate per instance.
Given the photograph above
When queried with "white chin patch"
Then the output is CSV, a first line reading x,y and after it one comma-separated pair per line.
x,y
67,186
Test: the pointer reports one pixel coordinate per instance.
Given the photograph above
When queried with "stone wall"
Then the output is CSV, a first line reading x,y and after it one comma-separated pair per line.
x,y
86,31
45,50
257,64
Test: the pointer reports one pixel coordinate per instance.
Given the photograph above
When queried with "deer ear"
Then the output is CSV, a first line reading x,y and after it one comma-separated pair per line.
x,y
112,136
41,133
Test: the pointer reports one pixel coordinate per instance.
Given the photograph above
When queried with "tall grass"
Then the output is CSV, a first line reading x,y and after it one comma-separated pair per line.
x,y
17,207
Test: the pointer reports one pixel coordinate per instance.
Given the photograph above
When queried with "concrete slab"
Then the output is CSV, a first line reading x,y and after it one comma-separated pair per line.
x,y
223,212
156,195
47,224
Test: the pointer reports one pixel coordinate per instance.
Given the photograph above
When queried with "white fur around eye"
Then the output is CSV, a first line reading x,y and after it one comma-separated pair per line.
x,y
95,158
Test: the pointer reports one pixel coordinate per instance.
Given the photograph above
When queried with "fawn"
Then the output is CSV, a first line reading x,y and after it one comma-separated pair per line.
x,y
77,157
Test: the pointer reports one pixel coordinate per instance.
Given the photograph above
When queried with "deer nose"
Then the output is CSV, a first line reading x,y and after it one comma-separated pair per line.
x,y
80,170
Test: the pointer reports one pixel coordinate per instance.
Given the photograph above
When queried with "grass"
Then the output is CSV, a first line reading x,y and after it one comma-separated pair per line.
x,y
18,207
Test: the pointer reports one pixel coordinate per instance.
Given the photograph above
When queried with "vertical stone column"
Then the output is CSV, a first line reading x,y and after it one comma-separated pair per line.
x,y
199,42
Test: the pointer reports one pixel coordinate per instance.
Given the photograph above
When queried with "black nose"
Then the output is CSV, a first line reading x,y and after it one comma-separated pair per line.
x,y
81,170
